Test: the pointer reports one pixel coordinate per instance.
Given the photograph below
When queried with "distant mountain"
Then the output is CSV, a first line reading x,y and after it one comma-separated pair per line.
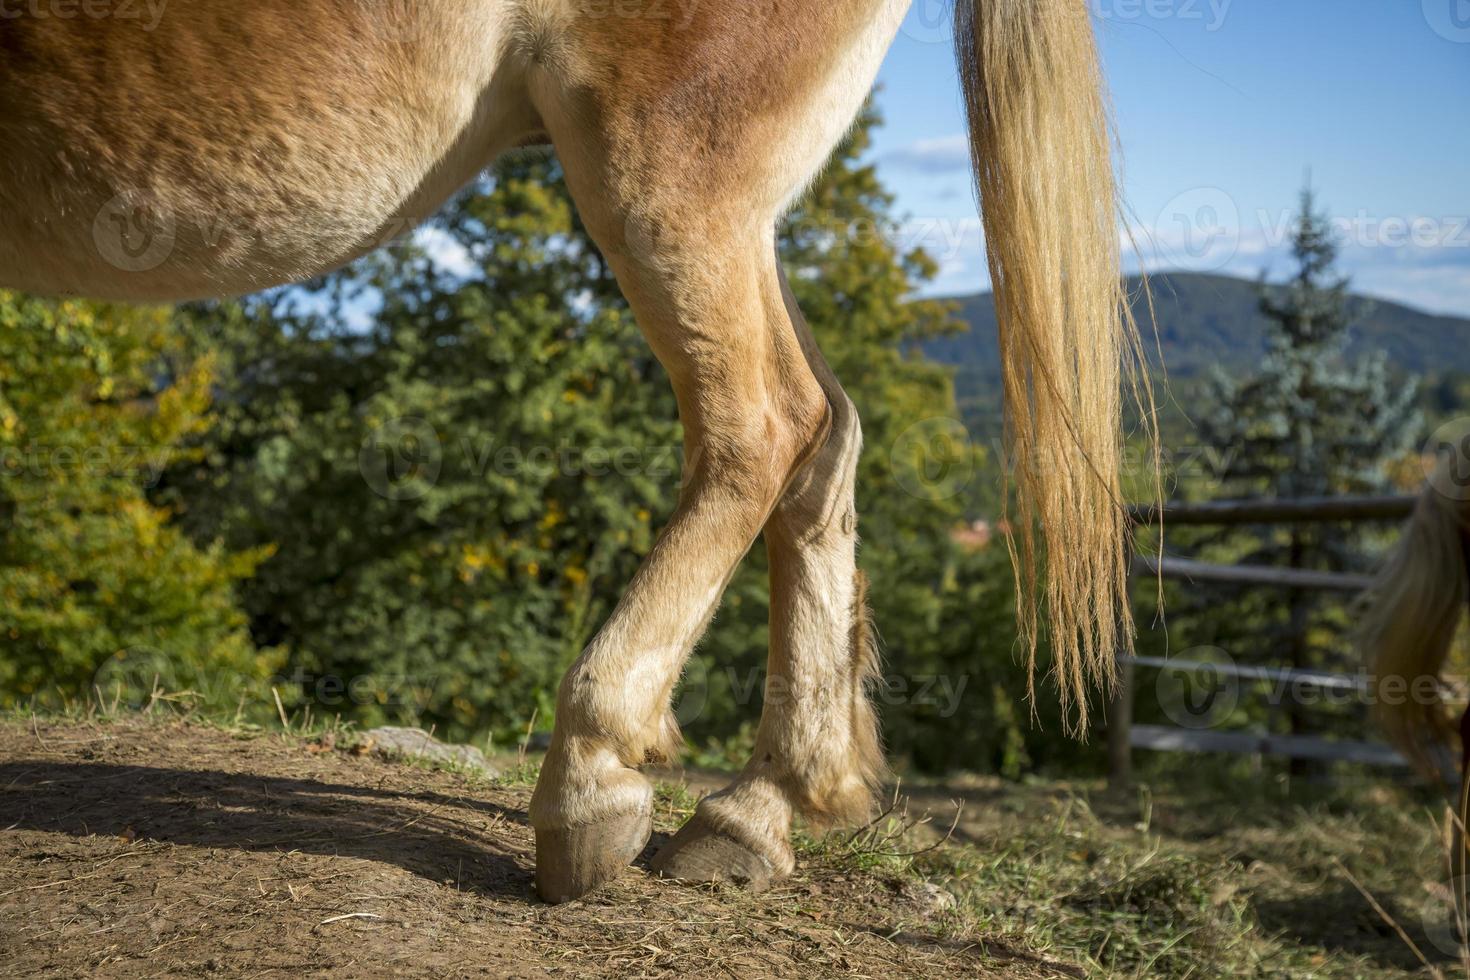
x,y
1206,320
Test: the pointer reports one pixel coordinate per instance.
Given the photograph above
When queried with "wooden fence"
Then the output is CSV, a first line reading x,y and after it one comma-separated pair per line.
x,y
1124,736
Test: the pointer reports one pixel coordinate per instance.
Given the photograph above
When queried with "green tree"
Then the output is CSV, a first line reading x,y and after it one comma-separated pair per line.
x,y
455,495
1309,421
97,587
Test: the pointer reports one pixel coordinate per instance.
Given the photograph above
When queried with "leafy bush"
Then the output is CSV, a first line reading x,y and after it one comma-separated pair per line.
x,y
98,589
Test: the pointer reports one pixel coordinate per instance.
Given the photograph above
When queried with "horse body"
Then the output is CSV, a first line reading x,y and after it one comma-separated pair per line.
x,y
199,167
237,146
234,147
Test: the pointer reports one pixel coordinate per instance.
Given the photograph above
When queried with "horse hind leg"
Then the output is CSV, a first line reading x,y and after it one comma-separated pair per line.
x,y
817,749
682,141
706,295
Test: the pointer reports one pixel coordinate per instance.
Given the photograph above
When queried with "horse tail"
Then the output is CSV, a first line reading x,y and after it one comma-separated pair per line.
x,y
1409,622
1041,143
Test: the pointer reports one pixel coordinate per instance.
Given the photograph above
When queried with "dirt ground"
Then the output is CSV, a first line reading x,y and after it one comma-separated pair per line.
x,y
147,850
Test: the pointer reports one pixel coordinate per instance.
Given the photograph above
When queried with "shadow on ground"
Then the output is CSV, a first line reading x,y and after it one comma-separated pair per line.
x,y
424,833
1339,923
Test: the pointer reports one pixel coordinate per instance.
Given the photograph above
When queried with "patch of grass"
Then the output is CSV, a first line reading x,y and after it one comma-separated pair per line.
x,y
168,707
1163,885
1162,914
301,726
890,843
673,803
524,772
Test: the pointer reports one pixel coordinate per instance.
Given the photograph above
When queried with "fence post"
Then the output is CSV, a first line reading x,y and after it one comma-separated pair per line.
x,y
1120,729
1120,708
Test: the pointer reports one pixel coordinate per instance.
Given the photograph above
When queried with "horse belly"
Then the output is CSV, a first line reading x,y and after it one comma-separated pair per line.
x,y
234,147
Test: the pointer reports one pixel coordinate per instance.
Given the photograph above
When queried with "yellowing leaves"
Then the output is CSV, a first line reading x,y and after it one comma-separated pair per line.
x,y
553,516
96,401
474,559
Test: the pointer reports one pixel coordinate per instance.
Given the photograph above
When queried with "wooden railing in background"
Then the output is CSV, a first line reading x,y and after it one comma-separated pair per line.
x,y
1124,736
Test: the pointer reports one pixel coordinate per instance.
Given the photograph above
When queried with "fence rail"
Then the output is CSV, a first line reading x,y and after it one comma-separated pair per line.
x,y
1285,578
1317,678
1167,739
1124,736
1303,510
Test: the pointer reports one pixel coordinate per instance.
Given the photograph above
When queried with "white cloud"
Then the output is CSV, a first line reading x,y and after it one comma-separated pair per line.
x,y
1419,261
941,154
1434,279
1436,289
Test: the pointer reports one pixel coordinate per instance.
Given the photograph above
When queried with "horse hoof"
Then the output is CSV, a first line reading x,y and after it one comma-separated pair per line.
x,y
572,861
698,853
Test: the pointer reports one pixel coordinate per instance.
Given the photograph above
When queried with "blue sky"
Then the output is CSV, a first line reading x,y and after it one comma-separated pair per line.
x,y
1222,106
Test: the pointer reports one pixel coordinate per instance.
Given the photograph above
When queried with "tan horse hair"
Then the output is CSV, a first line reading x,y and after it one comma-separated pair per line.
x,y
1409,621
1065,326
268,142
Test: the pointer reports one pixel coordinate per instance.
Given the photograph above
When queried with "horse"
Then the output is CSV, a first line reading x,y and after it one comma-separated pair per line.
x,y
1408,621
208,148
1406,629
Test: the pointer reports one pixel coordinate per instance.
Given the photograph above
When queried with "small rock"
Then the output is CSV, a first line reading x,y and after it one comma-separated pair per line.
x,y
415,743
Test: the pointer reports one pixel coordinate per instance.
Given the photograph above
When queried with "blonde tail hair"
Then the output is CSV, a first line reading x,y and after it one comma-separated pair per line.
x,y
1041,143
1409,622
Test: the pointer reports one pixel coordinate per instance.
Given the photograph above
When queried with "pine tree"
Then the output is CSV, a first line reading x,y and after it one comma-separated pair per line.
x,y
1308,422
